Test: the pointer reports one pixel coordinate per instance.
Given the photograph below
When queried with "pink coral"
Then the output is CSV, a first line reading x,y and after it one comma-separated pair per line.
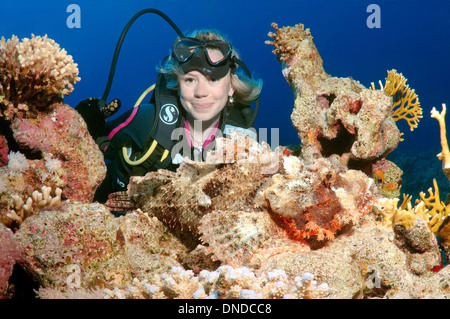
x,y
85,246
9,254
62,134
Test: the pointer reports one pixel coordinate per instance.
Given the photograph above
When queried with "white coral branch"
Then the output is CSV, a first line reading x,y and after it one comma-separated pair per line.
x,y
35,203
224,283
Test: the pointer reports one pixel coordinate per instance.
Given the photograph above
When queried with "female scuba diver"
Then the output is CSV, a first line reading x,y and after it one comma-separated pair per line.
x,y
198,96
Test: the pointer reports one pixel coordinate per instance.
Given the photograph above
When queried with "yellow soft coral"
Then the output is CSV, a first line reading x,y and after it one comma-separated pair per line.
x,y
437,210
404,215
431,209
406,104
444,156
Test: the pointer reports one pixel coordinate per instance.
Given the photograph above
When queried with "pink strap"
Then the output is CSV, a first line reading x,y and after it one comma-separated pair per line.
x,y
122,125
208,140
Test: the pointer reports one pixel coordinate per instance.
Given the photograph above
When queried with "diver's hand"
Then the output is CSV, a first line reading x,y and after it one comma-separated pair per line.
x,y
95,114
111,108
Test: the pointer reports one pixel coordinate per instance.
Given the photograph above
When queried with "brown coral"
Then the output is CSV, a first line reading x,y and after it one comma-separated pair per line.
x,y
34,74
34,203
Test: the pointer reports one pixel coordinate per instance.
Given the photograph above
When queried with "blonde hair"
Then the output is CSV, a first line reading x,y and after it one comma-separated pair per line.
x,y
246,89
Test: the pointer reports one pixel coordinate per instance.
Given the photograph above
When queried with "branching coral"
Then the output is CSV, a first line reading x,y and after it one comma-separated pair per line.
x,y
431,209
415,229
224,283
437,210
406,104
34,73
443,156
35,203
405,214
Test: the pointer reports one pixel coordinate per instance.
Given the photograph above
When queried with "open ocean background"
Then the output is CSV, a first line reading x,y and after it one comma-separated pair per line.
x,y
414,39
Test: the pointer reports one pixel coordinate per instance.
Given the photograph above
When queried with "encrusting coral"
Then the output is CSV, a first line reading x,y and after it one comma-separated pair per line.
x,y
333,115
388,178
224,283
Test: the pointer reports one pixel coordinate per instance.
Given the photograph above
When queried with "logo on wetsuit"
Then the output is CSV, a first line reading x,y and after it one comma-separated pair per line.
x,y
168,114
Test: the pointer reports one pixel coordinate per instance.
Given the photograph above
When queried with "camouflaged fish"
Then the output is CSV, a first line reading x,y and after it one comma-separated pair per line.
x,y
247,202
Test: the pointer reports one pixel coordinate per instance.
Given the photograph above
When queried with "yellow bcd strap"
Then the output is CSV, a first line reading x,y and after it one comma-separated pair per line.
x,y
154,143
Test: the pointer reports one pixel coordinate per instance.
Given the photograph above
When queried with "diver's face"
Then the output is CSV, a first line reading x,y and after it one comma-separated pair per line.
x,y
202,97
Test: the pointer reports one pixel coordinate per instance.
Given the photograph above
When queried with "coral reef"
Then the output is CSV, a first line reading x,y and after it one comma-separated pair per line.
x,y
418,241
247,210
84,246
388,178
224,283
249,222
419,245
45,141
366,264
71,293
333,115
437,211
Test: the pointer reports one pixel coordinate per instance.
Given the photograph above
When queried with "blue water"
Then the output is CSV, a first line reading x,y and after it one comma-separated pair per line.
x,y
414,38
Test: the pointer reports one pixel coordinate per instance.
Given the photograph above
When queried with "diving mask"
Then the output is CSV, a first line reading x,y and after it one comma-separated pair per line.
x,y
195,54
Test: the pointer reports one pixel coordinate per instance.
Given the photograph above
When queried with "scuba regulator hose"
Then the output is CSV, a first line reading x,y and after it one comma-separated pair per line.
x,y
121,39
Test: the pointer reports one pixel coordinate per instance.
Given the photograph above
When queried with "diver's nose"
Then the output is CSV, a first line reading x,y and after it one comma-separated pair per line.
x,y
201,90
